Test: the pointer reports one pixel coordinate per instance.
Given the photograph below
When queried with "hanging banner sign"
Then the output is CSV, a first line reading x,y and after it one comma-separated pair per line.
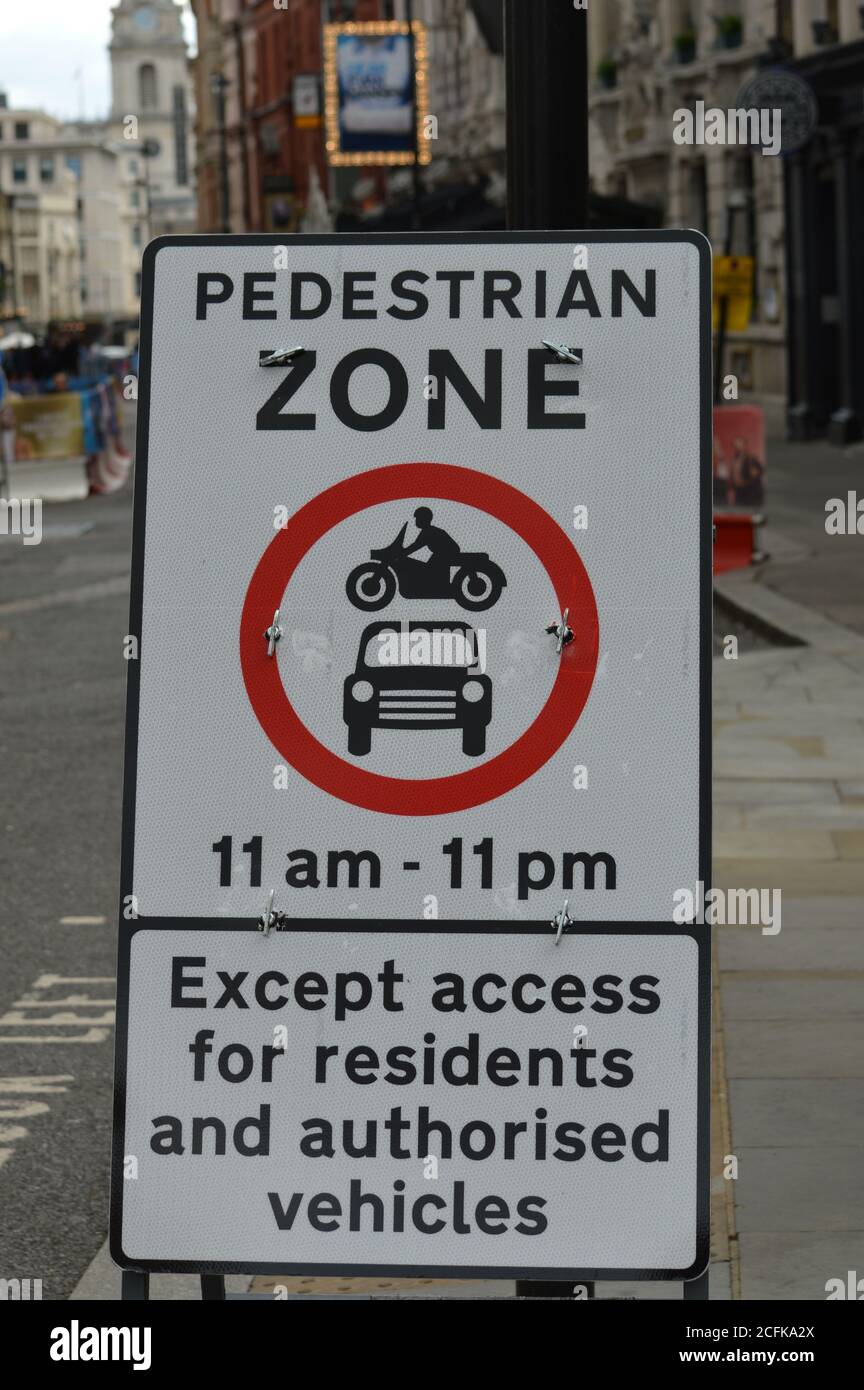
x,y
375,1100
424,611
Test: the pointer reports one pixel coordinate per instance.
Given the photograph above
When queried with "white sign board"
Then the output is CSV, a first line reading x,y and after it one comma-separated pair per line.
x,y
392,1099
420,494
421,621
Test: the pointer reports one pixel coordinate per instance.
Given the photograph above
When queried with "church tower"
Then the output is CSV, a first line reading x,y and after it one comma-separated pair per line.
x,y
150,84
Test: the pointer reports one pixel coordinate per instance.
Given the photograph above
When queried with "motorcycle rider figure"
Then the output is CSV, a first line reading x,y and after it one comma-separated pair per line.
x,y
433,574
473,580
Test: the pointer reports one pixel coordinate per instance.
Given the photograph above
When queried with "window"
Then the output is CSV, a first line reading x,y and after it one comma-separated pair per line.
x,y
133,166
134,198
136,284
147,90
46,169
22,130
136,234
19,170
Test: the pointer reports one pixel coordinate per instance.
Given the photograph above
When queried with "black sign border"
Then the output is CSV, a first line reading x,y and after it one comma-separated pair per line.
x,y
128,927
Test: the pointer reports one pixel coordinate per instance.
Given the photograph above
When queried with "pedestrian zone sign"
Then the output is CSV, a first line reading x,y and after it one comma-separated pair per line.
x,y
421,601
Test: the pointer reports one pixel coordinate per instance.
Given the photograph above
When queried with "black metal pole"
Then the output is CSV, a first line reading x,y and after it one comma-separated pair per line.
x,y
546,55
219,84
546,45
723,310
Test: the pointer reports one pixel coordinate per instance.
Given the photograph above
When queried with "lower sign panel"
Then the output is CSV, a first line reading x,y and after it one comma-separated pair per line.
x,y
369,1099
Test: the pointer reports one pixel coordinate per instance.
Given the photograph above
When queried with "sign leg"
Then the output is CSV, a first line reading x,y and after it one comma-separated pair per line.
x,y
134,1286
697,1288
550,1288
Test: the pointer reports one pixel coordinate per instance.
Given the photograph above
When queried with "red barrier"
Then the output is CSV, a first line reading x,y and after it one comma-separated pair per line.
x,y
735,541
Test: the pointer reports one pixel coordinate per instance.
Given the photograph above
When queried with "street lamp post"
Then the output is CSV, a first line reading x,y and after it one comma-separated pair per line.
x,y
219,86
149,150
546,46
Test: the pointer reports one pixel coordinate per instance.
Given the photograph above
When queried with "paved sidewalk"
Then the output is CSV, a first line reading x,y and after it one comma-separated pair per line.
x,y
807,565
789,814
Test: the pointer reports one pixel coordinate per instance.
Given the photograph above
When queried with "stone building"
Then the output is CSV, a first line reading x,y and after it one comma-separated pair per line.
x,y
267,159
151,116
651,58
42,253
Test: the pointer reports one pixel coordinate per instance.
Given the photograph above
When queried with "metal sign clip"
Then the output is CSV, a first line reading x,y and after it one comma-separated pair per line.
x,y
561,921
565,353
273,634
561,631
282,357
270,919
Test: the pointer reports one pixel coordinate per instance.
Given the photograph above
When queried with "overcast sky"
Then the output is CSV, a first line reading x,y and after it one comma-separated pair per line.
x,y
45,43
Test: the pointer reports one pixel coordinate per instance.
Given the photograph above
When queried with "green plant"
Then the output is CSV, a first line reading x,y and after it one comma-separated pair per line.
x,y
607,71
729,29
684,43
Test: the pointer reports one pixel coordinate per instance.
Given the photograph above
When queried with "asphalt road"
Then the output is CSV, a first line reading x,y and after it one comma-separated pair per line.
x,y
63,615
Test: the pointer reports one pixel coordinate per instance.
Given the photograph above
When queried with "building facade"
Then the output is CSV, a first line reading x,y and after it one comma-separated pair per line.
x,y
651,58
42,254
152,115
825,223
263,157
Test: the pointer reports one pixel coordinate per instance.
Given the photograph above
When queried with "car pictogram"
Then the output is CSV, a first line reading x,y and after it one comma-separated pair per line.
x,y
418,675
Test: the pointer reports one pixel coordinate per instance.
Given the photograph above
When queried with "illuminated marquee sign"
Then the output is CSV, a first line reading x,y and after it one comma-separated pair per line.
x,y
371,114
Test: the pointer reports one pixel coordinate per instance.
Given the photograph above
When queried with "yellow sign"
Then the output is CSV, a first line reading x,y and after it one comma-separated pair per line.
x,y
48,427
733,281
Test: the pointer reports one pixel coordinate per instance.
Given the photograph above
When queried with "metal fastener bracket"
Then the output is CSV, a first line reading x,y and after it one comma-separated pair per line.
x,y
561,632
270,919
273,634
282,357
561,921
565,353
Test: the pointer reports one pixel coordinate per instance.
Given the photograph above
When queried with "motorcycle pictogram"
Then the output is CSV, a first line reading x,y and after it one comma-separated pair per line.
x,y
473,580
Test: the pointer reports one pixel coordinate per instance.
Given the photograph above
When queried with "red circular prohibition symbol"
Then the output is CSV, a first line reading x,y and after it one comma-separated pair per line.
x,y
434,796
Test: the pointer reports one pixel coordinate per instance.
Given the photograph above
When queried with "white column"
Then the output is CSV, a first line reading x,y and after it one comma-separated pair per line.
x,y
803,14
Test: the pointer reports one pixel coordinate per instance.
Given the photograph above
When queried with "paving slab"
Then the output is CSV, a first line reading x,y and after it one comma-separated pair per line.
x,y
789,843
794,995
797,1113
793,1189
829,911
795,877
797,1265
744,948
818,815
765,793
807,1047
